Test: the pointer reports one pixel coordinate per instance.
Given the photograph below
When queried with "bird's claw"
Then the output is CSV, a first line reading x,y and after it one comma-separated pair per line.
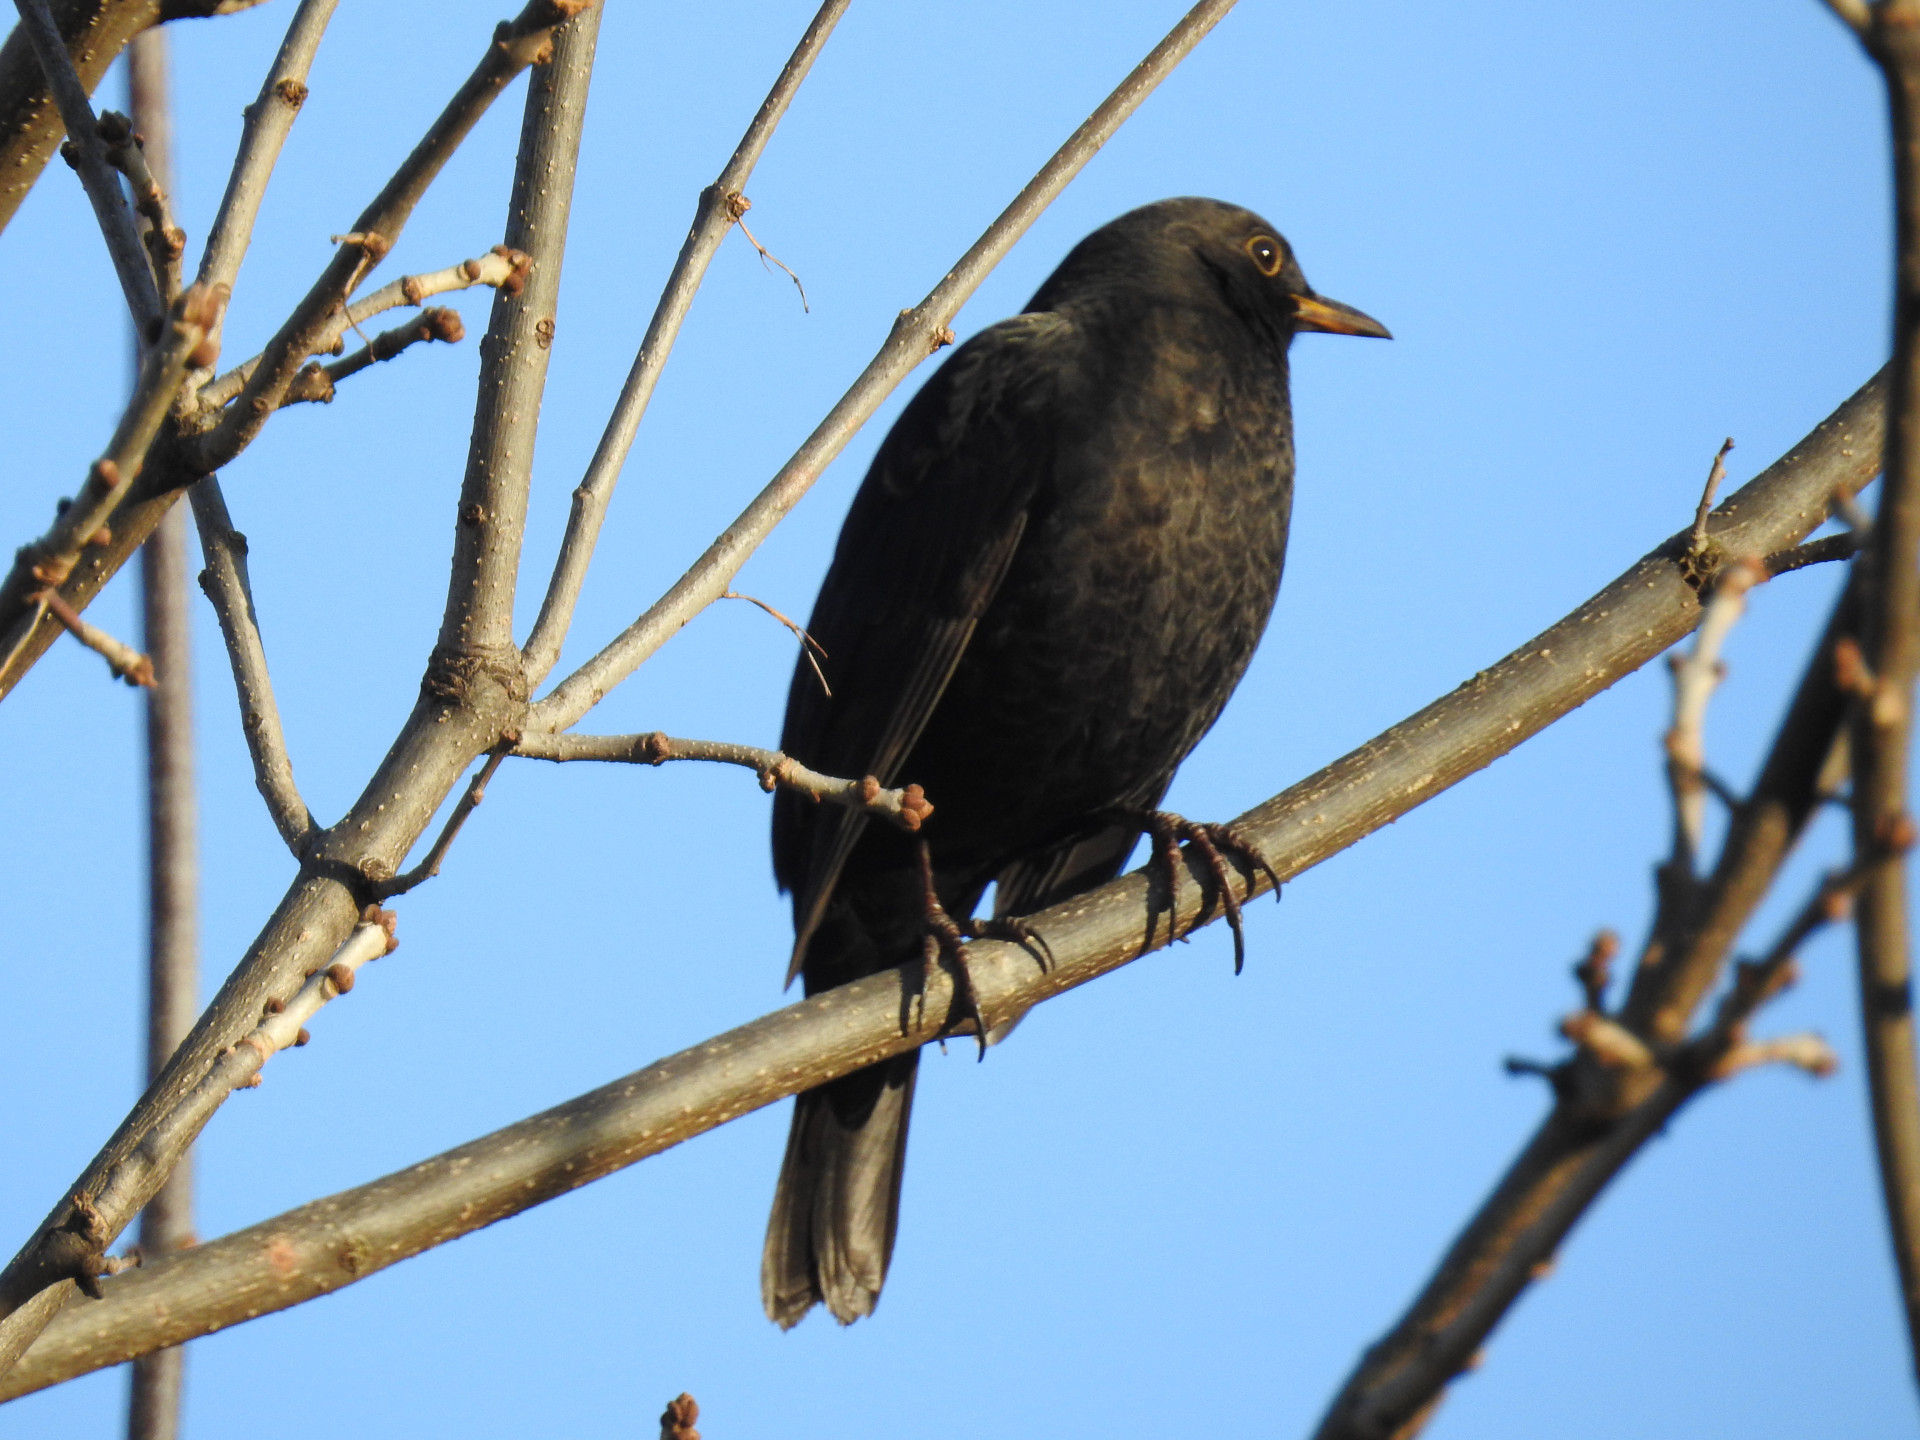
x,y
1013,930
947,939
1214,842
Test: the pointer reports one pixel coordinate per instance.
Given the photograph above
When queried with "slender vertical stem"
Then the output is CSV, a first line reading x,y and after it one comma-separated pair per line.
x,y
478,621
153,1408
1882,733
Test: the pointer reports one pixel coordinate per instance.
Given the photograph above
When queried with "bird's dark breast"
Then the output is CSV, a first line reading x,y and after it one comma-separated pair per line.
x,y
1143,581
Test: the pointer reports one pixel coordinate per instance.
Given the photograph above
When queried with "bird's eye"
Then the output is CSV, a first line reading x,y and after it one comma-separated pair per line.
x,y
1265,251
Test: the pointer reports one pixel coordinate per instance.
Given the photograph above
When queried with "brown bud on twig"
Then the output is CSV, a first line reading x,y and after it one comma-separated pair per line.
x,y
341,974
676,1421
1595,970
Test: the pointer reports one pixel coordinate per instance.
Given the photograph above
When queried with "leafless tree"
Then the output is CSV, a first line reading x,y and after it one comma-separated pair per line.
x,y
1679,1024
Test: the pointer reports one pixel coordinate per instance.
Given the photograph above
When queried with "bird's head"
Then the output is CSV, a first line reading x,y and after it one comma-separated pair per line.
x,y
1207,247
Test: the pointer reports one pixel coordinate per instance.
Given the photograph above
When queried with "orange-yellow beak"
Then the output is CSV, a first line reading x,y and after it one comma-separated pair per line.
x,y
1316,312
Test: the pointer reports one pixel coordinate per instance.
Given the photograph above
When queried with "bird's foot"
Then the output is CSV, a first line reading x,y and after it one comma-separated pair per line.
x,y
1214,842
1013,930
946,938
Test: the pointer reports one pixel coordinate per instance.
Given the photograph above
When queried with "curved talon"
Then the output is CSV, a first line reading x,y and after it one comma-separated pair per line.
x,y
1014,930
1167,830
944,937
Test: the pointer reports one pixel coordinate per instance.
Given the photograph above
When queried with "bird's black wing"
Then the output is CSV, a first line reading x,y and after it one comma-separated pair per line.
x,y
924,548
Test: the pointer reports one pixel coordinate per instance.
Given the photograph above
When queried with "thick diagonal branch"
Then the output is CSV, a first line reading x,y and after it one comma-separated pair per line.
x,y
336,1241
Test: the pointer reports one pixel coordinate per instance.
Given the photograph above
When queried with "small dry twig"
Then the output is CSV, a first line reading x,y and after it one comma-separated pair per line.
x,y
906,807
122,659
809,647
739,205
1715,474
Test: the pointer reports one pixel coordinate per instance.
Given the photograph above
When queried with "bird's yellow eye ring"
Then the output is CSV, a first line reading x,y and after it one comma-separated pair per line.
x,y
1266,254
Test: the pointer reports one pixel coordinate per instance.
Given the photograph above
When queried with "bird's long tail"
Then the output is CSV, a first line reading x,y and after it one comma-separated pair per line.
x,y
837,1205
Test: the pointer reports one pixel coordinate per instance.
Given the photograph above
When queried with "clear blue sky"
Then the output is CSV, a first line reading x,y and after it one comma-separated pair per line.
x,y
1605,235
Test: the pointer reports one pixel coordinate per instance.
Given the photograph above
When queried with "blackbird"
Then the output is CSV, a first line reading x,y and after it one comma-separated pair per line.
x,y
1050,581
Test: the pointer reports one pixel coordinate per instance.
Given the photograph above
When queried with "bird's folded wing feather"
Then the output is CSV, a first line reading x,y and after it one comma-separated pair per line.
x,y
929,538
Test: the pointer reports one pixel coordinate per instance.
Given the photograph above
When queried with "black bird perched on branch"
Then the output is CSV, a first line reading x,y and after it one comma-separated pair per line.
x,y
1051,580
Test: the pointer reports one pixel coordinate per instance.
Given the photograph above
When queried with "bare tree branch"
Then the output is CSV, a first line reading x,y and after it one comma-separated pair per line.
x,y
515,46
227,586
713,217
122,659
315,325
1631,1072
1695,677
500,267
915,335
1843,546
1882,732
338,1240
173,861
50,561
906,807
315,384
462,710
477,626
269,120
103,189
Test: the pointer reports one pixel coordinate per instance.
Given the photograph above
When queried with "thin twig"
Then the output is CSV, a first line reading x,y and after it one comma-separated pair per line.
x,y
102,187
46,564
500,267
1715,474
227,586
122,659
713,217
1634,619
315,384
1843,546
437,856
269,120
809,647
740,206
1695,677
1882,728
126,151
906,807
916,334
510,50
